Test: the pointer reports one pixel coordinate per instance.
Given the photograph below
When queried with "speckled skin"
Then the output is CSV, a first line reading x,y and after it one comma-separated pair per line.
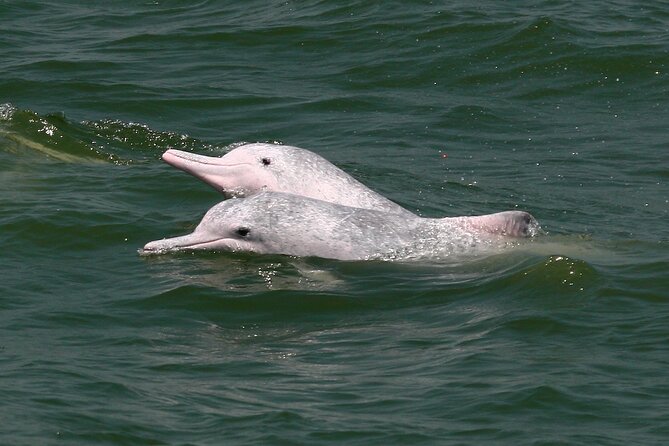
x,y
252,168
280,223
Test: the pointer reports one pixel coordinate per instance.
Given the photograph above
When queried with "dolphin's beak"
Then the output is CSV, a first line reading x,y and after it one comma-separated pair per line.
x,y
190,242
181,159
209,169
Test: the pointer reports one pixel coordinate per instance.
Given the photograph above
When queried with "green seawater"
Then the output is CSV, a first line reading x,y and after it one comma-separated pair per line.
x,y
449,108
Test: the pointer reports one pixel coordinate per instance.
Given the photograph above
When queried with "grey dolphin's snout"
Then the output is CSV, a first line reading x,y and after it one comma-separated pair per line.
x,y
182,243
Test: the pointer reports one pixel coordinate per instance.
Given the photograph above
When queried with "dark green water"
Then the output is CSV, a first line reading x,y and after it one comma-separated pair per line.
x,y
558,108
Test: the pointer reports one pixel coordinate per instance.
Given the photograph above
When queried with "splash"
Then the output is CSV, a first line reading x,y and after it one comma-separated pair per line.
x,y
6,112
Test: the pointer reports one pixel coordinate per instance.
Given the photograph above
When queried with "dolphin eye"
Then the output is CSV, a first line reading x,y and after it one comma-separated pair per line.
x,y
266,161
243,231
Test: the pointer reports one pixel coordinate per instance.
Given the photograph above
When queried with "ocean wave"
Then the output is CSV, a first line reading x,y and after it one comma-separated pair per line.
x,y
109,140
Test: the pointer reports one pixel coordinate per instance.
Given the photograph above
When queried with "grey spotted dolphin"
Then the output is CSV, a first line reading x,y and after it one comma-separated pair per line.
x,y
281,223
252,168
